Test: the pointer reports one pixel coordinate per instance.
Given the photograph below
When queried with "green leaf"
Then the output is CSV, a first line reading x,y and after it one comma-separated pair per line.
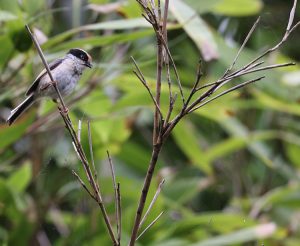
x,y
209,222
109,25
6,16
20,179
202,6
196,28
99,41
136,156
130,9
285,195
241,236
238,7
12,133
6,49
187,139
181,190
276,104
233,144
293,151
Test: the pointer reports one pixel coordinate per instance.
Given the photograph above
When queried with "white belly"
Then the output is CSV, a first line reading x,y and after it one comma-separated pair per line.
x,y
66,82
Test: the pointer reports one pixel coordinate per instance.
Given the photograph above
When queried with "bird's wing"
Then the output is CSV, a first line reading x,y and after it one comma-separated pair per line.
x,y
35,83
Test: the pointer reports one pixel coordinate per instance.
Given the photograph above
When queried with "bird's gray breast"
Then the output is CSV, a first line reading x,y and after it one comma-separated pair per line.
x,y
66,77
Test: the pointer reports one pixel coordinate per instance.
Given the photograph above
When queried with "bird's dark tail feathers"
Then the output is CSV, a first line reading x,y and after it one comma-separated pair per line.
x,y
15,113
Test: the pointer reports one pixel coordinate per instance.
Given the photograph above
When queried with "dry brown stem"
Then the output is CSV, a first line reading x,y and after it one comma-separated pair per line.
x,y
152,14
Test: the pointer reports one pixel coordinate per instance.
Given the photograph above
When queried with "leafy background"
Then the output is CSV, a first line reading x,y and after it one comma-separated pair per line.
x,y
231,169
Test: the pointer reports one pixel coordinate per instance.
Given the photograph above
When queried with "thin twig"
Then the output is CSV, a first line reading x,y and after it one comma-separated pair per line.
x,y
141,77
290,28
119,214
265,68
226,92
113,175
91,150
171,107
170,92
150,225
174,67
242,46
152,202
195,86
79,131
83,185
291,17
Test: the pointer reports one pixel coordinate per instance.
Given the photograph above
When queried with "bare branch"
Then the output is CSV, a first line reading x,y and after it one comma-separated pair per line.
x,y
173,65
152,202
83,185
112,169
290,28
162,133
242,46
91,151
119,214
79,131
170,91
292,16
150,225
141,77
171,107
262,69
226,92
195,86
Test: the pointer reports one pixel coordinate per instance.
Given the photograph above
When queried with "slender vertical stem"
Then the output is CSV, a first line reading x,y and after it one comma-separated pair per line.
x,y
157,118
79,150
119,214
147,182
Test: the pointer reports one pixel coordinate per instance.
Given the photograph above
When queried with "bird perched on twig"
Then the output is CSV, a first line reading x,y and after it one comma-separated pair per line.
x,y
66,72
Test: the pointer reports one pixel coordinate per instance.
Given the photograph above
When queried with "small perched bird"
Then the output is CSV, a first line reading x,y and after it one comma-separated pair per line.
x,y
65,71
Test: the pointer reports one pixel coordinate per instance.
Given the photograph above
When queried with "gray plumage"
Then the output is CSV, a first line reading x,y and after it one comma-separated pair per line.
x,y
66,72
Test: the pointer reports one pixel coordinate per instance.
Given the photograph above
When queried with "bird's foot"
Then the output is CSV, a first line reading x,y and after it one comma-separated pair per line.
x,y
63,110
53,83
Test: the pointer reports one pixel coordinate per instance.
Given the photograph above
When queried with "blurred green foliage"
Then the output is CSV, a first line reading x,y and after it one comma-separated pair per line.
x,y
231,168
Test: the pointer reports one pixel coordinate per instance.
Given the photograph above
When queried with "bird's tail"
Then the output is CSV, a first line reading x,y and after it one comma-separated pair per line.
x,y
15,113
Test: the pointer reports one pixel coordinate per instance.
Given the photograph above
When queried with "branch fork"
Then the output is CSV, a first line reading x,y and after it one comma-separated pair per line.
x,y
163,126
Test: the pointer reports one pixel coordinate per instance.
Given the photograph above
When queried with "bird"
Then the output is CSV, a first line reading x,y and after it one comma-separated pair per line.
x,y
65,71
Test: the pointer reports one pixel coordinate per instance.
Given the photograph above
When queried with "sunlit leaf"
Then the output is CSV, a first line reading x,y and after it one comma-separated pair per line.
x,y
110,25
238,7
196,28
185,136
6,16
20,179
276,104
99,41
293,151
6,50
282,196
241,236
15,131
203,6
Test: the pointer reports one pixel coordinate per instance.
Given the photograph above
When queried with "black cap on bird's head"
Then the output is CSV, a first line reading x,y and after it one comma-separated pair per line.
x,y
82,55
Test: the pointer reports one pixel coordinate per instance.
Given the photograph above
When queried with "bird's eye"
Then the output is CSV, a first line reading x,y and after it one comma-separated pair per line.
x,y
82,57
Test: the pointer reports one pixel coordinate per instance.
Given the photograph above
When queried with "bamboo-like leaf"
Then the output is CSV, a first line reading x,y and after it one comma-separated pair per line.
x,y
196,28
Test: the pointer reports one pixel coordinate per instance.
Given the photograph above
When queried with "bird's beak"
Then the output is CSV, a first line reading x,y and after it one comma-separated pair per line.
x,y
88,64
